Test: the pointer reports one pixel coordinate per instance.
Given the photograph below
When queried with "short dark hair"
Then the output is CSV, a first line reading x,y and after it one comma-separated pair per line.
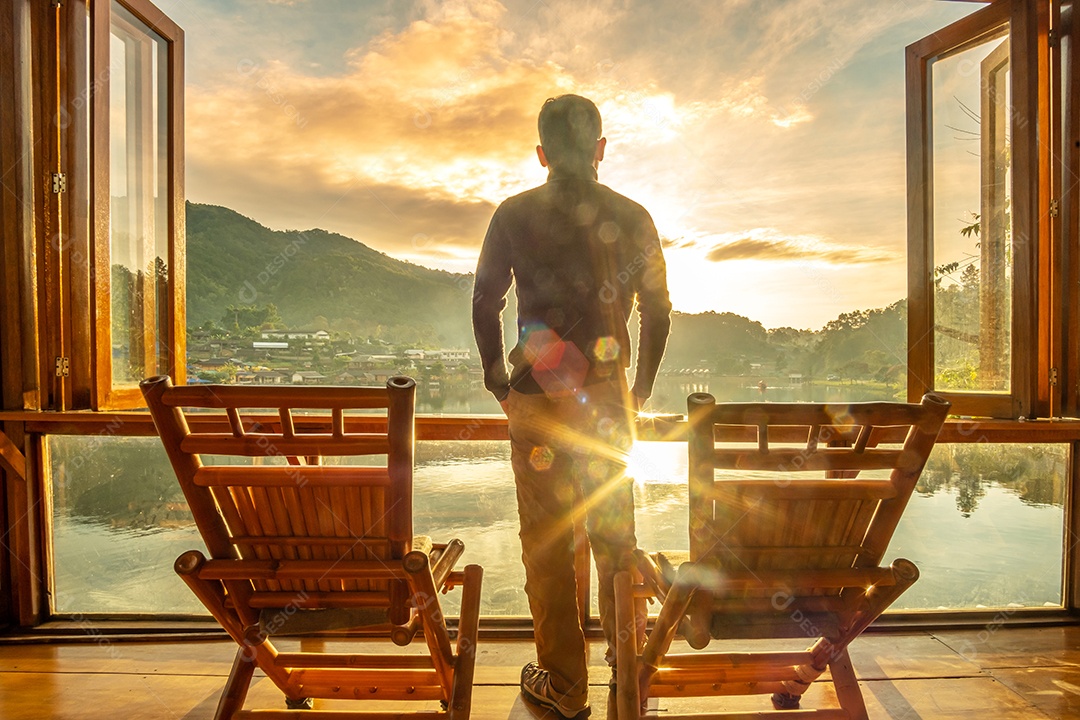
x,y
569,128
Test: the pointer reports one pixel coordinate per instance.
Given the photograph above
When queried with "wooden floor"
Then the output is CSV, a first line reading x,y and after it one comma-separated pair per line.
x,y
985,673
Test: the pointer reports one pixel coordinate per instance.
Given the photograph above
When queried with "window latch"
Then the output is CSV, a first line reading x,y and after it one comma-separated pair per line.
x,y
62,367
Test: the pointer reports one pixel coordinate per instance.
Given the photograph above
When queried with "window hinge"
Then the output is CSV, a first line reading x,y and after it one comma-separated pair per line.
x,y
1053,376
62,367
59,183
57,3
1054,207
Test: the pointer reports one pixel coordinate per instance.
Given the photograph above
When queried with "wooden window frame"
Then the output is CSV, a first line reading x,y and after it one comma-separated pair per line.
x,y
104,395
1030,393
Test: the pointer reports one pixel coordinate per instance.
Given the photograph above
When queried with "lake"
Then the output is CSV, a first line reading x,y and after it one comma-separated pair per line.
x,y
985,525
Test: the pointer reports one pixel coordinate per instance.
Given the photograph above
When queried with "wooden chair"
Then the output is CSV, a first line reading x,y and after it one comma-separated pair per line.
x,y
776,554
298,546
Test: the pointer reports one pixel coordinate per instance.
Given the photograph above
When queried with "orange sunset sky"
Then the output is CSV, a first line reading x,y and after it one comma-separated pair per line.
x,y
766,138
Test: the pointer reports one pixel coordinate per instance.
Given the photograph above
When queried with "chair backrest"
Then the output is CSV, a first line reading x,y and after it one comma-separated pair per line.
x,y
283,503
790,497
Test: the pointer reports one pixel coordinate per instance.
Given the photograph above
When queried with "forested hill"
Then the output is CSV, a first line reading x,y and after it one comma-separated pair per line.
x,y
242,276
237,269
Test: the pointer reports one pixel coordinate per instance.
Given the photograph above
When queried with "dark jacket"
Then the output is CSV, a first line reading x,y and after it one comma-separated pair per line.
x,y
581,255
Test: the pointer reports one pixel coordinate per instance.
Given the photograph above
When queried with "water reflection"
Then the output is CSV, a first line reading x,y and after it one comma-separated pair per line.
x,y
985,525
1036,474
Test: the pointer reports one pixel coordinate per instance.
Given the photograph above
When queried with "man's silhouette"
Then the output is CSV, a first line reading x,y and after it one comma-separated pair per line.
x,y
581,255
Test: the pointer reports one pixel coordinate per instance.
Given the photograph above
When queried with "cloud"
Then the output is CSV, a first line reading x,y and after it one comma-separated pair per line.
x,y
767,244
403,124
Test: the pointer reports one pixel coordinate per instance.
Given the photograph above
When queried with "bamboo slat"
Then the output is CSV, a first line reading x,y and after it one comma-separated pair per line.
x,y
352,660
306,396
733,660
426,595
790,460
318,599
266,445
801,489
759,672
335,715
741,578
861,413
460,703
379,676
299,569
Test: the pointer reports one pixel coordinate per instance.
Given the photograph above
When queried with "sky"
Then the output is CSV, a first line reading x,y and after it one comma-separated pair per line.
x,y
765,138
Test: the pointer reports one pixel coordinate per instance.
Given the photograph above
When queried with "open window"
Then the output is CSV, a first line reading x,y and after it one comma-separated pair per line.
x,y
978,207
137,247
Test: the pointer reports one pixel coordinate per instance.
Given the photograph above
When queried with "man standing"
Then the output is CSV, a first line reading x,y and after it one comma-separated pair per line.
x,y
580,255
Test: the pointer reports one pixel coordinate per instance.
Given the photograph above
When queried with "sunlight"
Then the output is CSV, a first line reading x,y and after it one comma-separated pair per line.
x,y
656,462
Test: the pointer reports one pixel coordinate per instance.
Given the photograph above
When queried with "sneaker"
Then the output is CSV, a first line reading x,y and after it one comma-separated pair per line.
x,y
536,688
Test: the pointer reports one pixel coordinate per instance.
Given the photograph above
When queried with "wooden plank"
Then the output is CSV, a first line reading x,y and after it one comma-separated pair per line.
x,y
177,212
1069,372
18,359
11,460
74,240
101,210
1029,125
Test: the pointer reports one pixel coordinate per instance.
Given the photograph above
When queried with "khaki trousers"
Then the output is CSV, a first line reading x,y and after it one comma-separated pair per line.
x,y
558,444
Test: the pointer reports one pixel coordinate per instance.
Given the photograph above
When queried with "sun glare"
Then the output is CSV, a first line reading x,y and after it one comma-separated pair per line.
x,y
657,462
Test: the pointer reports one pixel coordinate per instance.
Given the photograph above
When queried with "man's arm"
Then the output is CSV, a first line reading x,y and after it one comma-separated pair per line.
x,y
493,277
654,310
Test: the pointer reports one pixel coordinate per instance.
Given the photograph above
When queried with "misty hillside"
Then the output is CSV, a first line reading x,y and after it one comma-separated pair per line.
x,y
241,275
315,276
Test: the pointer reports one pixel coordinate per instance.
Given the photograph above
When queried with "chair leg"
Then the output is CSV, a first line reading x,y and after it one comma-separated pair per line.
x,y
627,699
460,704
847,686
236,688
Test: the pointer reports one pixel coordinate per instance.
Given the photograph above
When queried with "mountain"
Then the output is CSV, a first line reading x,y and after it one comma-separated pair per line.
x,y
241,274
316,278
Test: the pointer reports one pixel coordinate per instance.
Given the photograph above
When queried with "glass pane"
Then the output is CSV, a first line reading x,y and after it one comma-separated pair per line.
x,y
138,177
972,230
986,527
119,522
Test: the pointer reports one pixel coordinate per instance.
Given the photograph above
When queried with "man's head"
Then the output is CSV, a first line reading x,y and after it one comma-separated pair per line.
x,y
570,133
